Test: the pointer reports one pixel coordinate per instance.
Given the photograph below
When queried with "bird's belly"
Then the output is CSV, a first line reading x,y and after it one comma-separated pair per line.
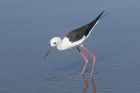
x,y
66,44
64,47
74,46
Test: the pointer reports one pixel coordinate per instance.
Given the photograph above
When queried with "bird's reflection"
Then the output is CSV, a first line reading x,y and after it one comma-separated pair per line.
x,y
86,85
93,84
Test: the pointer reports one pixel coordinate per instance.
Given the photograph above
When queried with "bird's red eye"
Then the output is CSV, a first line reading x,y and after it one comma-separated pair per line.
x,y
54,43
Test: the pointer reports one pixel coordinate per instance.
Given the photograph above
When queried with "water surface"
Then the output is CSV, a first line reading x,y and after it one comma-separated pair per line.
x,y
26,27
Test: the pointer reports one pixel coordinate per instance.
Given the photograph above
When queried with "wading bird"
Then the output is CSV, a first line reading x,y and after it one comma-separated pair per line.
x,y
74,39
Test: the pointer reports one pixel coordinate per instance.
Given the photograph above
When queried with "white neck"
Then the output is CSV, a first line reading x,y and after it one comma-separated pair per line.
x,y
60,44
59,47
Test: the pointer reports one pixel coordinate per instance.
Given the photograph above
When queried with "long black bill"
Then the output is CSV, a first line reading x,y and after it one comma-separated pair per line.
x,y
48,52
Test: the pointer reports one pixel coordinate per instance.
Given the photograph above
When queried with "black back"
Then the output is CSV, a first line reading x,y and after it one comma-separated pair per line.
x,y
78,33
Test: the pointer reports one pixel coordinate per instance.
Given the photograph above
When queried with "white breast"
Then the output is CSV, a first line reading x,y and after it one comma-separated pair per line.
x,y
66,44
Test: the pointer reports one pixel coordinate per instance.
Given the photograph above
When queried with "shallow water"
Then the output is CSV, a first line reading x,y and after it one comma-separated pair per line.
x,y
26,28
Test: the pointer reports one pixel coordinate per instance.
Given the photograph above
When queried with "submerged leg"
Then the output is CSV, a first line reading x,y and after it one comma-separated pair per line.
x,y
86,60
94,59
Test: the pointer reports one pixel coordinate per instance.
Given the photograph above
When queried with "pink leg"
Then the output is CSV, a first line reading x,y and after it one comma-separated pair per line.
x,y
94,58
84,59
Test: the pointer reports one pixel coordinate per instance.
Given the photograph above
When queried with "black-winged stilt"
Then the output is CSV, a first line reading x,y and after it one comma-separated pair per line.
x,y
74,39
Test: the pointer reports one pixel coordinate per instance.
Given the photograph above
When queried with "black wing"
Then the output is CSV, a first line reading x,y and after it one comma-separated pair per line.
x,y
78,33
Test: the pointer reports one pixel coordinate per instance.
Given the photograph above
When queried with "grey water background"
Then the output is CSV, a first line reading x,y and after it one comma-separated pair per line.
x,y
26,27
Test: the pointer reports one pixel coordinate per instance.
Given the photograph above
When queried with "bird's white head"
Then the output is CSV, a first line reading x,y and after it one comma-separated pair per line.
x,y
55,41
